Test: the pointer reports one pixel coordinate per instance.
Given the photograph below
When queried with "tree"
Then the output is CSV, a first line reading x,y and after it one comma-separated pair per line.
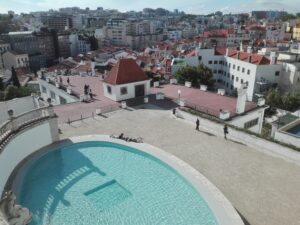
x,y
1,84
196,75
289,101
14,77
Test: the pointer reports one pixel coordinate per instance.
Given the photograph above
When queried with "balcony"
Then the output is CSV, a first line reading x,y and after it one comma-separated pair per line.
x,y
17,123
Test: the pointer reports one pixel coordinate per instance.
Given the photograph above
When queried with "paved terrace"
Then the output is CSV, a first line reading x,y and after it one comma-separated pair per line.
x,y
74,111
263,188
204,101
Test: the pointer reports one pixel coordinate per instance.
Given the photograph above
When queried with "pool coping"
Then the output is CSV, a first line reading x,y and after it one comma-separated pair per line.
x,y
221,207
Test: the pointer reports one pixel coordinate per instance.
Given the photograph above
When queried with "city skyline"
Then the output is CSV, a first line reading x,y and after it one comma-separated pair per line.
x,y
193,6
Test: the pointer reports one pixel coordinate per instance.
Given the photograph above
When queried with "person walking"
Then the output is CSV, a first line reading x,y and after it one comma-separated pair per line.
x,y
197,124
225,131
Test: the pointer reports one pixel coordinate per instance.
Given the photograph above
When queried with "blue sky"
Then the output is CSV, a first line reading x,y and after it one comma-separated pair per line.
x,y
189,6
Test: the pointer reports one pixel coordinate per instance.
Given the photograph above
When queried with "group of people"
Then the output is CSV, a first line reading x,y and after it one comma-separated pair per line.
x,y
128,139
88,91
225,128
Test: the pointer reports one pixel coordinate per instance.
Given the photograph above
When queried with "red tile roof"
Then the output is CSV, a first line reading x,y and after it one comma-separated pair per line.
x,y
244,56
126,71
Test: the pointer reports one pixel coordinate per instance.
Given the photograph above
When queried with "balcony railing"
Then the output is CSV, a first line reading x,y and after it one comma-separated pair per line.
x,y
17,123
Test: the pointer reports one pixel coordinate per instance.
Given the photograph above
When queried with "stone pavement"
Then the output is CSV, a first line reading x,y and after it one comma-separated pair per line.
x,y
263,188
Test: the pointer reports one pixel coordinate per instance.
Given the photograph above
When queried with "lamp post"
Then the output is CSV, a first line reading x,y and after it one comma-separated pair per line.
x,y
179,93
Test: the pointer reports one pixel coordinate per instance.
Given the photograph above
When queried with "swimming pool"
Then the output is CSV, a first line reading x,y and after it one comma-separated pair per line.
x,y
295,130
106,183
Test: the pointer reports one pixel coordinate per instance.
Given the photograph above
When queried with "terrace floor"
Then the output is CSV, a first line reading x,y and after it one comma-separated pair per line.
x,y
263,188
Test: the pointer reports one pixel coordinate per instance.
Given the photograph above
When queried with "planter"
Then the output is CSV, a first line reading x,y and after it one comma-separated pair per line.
x,y
123,105
173,81
160,96
221,92
146,100
156,84
203,87
188,84
98,111
182,103
224,115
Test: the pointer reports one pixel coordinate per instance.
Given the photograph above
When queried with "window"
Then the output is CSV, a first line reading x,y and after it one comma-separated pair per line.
x,y
199,58
248,72
242,81
225,63
243,70
232,77
209,62
277,73
238,68
215,62
233,66
220,71
229,65
123,91
236,79
220,62
52,94
247,83
109,89
62,100
251,123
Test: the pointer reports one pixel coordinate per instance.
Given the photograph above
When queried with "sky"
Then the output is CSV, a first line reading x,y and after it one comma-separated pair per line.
x,y
189,6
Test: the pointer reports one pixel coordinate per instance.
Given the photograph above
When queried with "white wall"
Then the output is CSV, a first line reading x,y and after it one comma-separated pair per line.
x,y
23,145
58,92
241,120
18,105
287,138
116,90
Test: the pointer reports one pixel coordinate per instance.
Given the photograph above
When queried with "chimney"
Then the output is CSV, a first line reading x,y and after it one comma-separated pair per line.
x,y
249,49
238,55
241,100
93,68
227,51
273,58
249,58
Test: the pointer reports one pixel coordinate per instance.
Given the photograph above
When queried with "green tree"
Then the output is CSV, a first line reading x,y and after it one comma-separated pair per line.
x,y
1,84
289,101
12,92
196,75
14,77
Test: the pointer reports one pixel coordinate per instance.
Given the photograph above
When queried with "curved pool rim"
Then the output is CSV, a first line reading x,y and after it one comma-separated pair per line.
x,y
221,207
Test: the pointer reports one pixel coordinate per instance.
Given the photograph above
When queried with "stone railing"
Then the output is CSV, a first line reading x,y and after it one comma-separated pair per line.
x,y
15,124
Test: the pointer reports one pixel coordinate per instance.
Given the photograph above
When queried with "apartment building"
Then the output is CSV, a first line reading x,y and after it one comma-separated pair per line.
x,y
15,59
232,68
116,31
4,47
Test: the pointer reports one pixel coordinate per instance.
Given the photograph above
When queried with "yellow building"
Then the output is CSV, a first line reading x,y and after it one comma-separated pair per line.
x,y
296,32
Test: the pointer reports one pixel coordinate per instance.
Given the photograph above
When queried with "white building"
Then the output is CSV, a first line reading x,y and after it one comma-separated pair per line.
x,y
4,47
232,68
126,80
116,31
15,59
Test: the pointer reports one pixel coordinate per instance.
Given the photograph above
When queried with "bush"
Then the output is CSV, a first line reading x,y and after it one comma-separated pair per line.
x,y
196,75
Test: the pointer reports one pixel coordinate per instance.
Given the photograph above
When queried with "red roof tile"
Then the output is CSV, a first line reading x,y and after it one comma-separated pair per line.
x,y
244,56
126,71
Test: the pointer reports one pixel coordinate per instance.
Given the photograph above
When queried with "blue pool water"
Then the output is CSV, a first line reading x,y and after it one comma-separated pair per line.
x,y
93,183
295,130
